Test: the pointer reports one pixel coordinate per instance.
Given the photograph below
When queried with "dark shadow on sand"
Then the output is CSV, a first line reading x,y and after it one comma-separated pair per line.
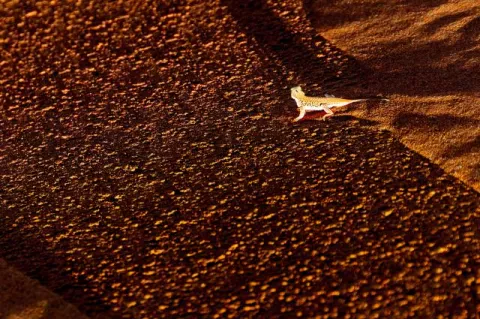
x,y
440,122
465,148
411,69
309,62
341,16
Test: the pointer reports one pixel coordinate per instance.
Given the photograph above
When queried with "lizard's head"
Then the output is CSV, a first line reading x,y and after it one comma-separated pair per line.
x,y
297,92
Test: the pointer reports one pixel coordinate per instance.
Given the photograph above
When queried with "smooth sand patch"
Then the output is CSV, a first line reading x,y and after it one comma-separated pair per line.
x,y
425,57
22,297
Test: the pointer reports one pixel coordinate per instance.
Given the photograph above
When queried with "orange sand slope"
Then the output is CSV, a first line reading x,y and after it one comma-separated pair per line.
x,y
22,297
425,56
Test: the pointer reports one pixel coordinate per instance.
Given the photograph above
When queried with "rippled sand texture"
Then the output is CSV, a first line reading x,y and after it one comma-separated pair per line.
x,y
149,168
426,56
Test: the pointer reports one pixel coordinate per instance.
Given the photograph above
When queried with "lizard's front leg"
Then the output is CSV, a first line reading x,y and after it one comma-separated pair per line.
x,y
301,115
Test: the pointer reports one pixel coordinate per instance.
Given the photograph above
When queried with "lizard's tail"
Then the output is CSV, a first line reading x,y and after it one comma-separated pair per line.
x,y
372,99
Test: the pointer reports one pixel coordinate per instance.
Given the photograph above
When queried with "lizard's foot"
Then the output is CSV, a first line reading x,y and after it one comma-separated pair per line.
x,y
298,118
326,116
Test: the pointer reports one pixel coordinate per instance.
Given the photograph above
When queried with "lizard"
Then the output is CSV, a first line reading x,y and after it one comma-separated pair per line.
x,y
309,103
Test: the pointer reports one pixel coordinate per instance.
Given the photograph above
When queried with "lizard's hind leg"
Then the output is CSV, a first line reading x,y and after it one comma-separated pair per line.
x,y
329,113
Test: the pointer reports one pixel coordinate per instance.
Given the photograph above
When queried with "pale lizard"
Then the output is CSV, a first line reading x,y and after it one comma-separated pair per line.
x,y
309,103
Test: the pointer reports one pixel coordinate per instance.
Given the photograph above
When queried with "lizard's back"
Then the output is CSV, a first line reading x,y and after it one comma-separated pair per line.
x,y
310,100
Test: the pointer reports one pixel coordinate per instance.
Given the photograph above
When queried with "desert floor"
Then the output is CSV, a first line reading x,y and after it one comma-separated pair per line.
x,y
149,166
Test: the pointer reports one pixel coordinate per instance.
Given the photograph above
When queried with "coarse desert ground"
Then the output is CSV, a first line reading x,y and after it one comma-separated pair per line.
x,y
423,55
149,167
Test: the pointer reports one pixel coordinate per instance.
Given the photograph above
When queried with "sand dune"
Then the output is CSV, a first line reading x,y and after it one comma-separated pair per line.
x,y
426,59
